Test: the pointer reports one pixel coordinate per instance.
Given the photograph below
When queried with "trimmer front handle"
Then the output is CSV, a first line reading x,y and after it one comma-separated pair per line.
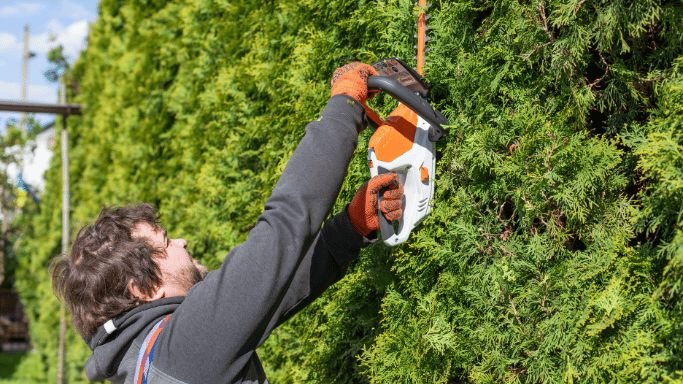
x,y
411,100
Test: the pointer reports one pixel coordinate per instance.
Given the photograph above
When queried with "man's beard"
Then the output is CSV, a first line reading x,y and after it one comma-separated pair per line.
x,y
201,268
190,275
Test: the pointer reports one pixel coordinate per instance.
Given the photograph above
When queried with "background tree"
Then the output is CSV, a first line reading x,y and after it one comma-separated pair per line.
x,y
59,64
14,141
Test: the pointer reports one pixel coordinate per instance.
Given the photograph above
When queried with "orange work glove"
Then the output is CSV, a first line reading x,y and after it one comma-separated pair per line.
x,y
352,80
363,208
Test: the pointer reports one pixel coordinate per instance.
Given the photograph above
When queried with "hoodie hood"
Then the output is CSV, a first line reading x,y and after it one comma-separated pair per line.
x,y
113,339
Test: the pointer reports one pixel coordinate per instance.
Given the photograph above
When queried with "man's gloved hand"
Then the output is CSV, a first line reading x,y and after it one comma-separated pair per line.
x,y
363,208
352,80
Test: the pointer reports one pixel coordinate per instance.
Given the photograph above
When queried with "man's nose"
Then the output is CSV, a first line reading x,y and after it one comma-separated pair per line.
x,y
181,242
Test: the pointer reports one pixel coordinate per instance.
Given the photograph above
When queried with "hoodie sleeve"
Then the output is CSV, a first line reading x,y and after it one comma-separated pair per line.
x,y
214,333
325,263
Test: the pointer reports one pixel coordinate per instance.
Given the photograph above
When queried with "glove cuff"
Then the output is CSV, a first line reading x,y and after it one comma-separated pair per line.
x,y
356,213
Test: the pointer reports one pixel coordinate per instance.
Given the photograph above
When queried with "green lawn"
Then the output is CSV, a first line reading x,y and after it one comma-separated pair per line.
x,y
8,363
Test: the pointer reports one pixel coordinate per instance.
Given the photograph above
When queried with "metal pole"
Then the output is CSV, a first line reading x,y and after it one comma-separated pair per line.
x,y
24,74
4,209
61,357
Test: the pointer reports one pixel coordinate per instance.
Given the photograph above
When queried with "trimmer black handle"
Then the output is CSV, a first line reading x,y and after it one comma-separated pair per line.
x,y
411,100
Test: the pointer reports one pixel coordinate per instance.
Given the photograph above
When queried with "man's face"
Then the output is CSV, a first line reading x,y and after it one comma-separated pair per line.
x,y
179,271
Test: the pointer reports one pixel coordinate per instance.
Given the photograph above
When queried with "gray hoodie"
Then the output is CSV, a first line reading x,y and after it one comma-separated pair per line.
x,y
286,262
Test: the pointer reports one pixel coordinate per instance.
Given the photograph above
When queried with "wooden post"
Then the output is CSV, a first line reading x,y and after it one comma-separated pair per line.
x,y
26,55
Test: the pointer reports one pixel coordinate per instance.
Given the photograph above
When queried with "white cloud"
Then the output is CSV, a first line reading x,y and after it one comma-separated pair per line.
x,y
36,93
20,9
72,37
9,43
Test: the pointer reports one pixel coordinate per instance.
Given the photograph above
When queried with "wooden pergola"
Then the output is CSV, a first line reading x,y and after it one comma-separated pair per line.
x,y
57,109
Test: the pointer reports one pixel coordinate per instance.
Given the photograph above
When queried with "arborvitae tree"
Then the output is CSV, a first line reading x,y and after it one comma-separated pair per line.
x,y
554,252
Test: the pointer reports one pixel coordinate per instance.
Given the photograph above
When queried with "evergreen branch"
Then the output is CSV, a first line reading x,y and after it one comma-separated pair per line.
x,y
578,6
506,252
514,310
544,300
599,79
537,47
544,20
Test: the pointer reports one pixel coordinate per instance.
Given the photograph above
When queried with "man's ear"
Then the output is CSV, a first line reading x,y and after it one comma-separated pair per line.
x,y
135,291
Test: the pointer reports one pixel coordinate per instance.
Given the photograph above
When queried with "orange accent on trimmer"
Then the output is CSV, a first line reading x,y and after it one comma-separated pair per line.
x,y
421,37
424,174
395,137
372,115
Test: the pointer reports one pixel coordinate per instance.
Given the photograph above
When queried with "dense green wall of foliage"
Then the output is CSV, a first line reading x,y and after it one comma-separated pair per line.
x,y
554,253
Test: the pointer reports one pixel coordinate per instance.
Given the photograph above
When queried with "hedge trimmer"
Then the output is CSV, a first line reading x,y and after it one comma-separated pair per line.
x,y
404,143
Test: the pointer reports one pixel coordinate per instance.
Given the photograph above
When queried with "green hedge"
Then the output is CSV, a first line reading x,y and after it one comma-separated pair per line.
x,y
554,253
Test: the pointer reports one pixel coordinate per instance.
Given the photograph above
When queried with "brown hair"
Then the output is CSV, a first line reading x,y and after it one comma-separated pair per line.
x,y
105,257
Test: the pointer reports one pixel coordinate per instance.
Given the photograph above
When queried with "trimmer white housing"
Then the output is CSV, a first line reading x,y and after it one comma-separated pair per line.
x,y
415,169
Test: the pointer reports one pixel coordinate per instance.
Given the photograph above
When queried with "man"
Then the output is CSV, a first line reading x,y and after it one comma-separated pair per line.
x,y
152,314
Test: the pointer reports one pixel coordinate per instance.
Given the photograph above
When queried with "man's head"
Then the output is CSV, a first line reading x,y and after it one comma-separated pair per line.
x,y
120,261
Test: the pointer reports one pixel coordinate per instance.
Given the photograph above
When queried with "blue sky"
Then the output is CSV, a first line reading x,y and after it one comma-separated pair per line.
x,y
51,23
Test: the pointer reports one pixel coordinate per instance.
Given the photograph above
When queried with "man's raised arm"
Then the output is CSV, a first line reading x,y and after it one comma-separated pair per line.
x,y
225,317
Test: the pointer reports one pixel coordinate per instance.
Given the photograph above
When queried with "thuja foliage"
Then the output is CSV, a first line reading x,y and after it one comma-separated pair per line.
x,y
554,252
